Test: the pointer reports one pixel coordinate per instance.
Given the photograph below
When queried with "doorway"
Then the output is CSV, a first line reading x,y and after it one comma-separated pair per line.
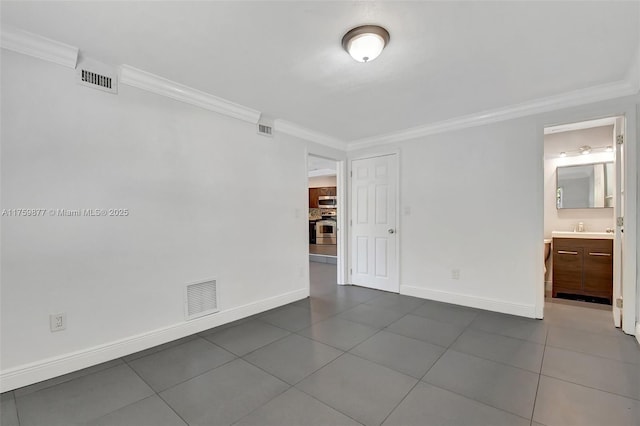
x,y
326,210
583,197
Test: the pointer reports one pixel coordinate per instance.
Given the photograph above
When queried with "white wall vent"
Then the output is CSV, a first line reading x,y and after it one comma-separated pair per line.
x,y
201,299
265,130
265,125
97,75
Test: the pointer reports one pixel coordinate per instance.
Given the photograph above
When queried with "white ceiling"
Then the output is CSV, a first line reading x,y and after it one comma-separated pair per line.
x,y
444,60
318,166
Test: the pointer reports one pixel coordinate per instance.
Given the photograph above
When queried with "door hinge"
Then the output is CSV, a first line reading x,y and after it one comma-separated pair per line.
x,y
351,173
350,270
620,139
619,302
350,221
620,221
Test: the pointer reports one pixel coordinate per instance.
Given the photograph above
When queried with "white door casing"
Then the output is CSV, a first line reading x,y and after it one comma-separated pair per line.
x,y
618,211
374,200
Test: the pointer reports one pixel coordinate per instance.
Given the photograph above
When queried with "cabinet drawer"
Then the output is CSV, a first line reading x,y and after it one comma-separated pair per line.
x,y
586,243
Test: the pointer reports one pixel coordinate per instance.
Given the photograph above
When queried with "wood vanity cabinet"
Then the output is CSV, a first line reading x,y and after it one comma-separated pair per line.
x,y
583,266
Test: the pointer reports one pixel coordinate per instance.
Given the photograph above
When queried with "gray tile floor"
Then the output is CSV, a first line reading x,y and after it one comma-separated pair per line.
x,y
355,356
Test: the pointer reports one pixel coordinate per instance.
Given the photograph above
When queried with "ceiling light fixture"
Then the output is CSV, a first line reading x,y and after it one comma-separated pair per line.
x,y
585,149
365,43
563,154
609,149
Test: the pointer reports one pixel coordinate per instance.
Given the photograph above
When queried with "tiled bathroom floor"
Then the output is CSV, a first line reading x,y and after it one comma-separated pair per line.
x,y
355,356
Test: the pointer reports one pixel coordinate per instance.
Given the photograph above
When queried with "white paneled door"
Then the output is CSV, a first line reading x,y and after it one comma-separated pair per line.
x,y
374,261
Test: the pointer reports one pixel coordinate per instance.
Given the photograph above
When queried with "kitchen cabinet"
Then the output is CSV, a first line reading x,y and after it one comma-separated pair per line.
x,y
314,193
313,198
326,191
583,266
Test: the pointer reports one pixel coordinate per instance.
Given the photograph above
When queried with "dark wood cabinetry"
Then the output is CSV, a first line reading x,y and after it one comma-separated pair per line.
x,y
313,198
583,266
314,193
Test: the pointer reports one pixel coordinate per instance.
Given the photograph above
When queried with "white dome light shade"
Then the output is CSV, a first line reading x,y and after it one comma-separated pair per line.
x,y
365,43
365,47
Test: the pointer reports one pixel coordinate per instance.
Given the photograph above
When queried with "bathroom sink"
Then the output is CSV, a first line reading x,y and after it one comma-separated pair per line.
x,y
569,234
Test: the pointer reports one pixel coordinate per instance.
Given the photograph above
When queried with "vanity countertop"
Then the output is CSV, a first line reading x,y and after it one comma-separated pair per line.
x,y
595,235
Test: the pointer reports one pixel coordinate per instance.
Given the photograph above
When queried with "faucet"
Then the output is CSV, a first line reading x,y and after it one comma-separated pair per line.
x,y
579,227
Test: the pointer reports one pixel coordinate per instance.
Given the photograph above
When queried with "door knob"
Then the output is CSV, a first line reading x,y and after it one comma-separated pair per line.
x,y
391,231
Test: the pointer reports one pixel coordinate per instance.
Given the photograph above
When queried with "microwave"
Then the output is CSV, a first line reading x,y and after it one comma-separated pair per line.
x,y
327,201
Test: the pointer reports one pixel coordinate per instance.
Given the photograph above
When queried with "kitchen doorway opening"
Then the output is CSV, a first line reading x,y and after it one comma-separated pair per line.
x,y
584,201
326,214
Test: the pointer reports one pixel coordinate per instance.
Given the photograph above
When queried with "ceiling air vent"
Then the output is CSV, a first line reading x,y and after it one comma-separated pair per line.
x,y
265,125
265,130
99,76
201,299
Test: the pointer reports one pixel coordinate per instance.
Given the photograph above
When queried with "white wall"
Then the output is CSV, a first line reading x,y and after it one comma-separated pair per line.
x,y
475,198
471,195
596,220
192,181
322,181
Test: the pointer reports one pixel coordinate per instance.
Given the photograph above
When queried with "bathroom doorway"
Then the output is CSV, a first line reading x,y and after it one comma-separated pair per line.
x,y
583,197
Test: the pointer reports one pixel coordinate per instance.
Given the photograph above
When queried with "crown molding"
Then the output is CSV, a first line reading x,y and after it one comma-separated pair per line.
x,y
39,47
308,134
161,86
571,99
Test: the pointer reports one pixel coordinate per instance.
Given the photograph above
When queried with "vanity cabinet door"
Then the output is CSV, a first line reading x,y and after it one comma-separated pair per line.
x,y
598,269
567,268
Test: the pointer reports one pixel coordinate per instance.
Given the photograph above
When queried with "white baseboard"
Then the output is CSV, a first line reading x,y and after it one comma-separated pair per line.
x,y
494,305
638,332
28,374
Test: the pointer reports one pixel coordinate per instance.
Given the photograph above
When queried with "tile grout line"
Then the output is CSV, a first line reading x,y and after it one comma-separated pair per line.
x,y
15,402
155,393
65,381
427,372
535,398
468,327
591,387
266,402
465,396
319,400
594,355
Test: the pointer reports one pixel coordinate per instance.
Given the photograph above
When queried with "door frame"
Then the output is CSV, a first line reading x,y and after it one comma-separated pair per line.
x,y
629,259
341,191
398,227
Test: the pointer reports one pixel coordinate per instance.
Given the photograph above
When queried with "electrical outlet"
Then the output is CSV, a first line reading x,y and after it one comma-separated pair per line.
x,y
455,274
58,322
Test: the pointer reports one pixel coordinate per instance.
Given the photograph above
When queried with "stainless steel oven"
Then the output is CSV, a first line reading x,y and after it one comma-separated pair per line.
x,y
326,232
327,201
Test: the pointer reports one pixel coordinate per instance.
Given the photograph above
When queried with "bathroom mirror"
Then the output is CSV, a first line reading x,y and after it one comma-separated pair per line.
x,y
585,186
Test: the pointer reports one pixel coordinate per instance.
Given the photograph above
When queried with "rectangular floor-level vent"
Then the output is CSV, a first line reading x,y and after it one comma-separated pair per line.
x,y
201,299
100,81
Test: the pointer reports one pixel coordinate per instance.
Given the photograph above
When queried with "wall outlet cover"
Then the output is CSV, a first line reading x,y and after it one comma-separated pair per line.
x,y
57,322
